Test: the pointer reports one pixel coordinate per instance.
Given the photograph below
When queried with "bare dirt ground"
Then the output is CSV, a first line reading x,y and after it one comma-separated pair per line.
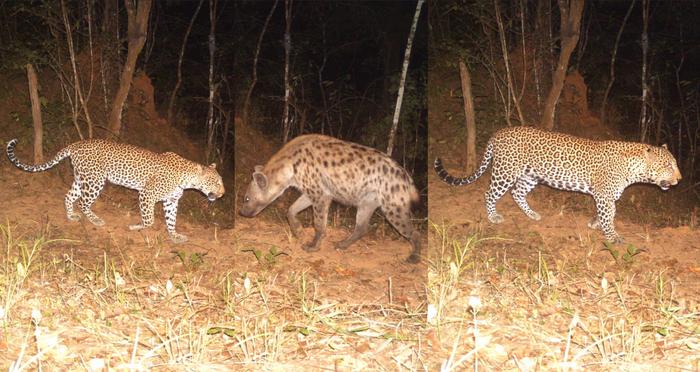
x,y
548,294
75,296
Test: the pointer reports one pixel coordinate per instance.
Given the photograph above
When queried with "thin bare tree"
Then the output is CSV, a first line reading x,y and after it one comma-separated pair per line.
x,y
469,116
506,61
76,78
173,94
644,117
287,50
254,80
212,86
570,24
402,84
603,106
36,114
137,12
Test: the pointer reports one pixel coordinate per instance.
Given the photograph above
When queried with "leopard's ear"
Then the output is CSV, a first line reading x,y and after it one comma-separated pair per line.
x,y
212,165
665,146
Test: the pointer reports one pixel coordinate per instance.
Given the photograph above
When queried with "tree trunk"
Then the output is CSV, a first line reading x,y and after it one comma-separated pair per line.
x,y
137,29
470,120
612,65
287,49
173,94
254,80
506,62
570,14
644,118
76,80
109,52
36,114
212,87
402,84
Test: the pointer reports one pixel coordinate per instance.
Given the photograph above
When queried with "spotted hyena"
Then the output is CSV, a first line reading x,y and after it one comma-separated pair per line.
x,y
326,169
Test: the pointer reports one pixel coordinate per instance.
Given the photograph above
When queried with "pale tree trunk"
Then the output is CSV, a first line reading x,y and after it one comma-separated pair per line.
x,y
603,106
254,80
212,87
570,14
36,114
287,49
137,12
469,116
173,94
644,118
402,84
76,79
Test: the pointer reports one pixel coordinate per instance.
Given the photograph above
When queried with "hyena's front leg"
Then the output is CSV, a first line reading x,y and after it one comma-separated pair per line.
x,y
299,205
321,206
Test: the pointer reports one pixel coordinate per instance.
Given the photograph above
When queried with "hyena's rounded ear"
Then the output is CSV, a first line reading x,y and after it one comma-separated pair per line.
x,y
260,179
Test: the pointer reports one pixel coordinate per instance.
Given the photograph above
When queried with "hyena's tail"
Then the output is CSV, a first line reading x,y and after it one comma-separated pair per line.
x,y
65,152
459,181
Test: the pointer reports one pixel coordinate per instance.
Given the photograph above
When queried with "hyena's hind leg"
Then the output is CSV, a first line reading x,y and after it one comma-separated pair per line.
x,y
400,217
364,212
73,195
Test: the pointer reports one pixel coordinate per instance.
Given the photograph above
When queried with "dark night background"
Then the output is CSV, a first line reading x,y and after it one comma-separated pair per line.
x,y
345,64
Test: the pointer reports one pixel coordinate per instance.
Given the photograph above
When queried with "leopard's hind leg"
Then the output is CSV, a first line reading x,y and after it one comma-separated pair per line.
x,y
90,188
523,186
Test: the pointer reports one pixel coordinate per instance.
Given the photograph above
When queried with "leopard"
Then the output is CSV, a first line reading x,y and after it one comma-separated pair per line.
x,y
326,169
524,157
156,176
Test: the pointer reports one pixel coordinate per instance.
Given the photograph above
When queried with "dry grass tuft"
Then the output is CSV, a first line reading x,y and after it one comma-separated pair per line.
x,y
494,313
65,312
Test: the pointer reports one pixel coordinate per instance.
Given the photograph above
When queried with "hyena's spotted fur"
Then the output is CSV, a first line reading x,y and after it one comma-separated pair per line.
x,y
326,169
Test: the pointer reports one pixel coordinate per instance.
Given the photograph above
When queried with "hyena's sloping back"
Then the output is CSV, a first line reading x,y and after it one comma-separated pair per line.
x,y
346,170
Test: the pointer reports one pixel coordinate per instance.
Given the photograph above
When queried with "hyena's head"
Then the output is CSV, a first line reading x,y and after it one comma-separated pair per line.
x,y
263,190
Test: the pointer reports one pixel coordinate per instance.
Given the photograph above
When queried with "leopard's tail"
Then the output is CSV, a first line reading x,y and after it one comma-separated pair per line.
x,y
459,181
64,153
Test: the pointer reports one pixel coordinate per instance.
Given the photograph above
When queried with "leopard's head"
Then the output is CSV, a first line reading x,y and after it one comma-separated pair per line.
x,y
209,182
264,189
661,168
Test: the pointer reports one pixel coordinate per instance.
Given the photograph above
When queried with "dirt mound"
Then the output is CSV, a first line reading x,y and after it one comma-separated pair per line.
x,y
252,147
